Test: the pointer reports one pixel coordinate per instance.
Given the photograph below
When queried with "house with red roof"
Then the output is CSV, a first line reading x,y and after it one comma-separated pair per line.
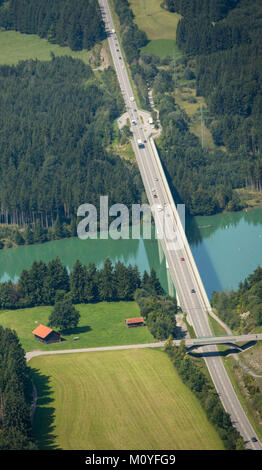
x,y
46,335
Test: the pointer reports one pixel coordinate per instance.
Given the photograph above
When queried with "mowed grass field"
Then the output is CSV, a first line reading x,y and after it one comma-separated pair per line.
x,y
101,324
15,46
130,399
159,25
157,22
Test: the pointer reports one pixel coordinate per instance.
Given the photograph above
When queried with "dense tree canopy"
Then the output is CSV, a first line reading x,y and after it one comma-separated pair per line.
x,y
247,300
15,424
46,283
61,123
76,24
229,75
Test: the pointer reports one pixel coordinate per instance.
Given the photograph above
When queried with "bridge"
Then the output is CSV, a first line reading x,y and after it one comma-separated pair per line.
x,y
181,264
221,339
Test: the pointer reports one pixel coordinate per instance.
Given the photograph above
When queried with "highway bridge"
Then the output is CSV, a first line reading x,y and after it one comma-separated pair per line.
x,y
181,264
221,339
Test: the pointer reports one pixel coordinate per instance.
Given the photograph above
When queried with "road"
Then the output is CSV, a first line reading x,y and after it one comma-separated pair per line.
x,y
158,344
184,272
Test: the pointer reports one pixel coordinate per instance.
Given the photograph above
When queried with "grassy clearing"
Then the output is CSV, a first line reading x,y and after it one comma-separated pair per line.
x,y
161,47
157,22
132,399
159,25
15,46
101,324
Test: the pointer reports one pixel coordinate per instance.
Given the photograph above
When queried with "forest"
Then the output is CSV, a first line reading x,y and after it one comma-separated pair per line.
x,y
60,120
214,9
241,310
78,25
15,420
225,38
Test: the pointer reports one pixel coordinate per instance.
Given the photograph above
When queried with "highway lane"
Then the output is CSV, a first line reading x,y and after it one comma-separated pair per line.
x,y
184,273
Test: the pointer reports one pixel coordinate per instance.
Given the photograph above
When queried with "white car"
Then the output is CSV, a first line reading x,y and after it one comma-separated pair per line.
x,y
132,98
133,122
159,208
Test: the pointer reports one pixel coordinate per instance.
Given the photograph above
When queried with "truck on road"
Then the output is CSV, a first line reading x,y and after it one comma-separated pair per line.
x,y
140,143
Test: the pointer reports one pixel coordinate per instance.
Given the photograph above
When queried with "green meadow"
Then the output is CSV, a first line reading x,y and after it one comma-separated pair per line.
x,y
15,46
101,324
130,399
159,25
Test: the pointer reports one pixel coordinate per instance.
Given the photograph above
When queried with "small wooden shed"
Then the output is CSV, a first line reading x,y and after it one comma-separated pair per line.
x,y
131,322
46,335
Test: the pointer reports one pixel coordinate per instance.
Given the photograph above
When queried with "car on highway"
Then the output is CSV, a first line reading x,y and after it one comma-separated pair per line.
x,y
254,439
132,98
193,291
156,179
155,195
182,259
133,122
159,208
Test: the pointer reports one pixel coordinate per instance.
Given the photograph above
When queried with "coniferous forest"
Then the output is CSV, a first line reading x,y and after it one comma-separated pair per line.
x,y
56,121
75,24
15,420
225,37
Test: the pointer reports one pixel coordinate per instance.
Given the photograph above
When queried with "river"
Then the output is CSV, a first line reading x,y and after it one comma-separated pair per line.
x,y
226,247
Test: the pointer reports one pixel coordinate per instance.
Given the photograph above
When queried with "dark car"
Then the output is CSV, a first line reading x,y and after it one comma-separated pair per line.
x,y
193,291
253,439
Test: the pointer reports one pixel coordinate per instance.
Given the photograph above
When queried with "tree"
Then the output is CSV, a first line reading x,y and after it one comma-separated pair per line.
x,y
78,279
28,236
91,288
64,315
106,282
56,279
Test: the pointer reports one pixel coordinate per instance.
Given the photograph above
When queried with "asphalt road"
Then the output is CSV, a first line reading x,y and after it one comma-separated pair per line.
x,y
184,273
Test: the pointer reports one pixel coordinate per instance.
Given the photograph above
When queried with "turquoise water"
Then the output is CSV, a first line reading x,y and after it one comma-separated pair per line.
x,y
226,247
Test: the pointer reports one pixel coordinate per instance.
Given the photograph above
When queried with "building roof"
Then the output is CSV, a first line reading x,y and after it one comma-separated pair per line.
x,y
42,331
134,320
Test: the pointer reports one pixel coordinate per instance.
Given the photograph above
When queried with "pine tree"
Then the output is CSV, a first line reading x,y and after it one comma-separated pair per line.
x,y
28,236
78,278
91,285
106,282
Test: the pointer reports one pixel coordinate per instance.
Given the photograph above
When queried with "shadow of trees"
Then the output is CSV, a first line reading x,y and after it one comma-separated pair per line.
x,y
43,427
